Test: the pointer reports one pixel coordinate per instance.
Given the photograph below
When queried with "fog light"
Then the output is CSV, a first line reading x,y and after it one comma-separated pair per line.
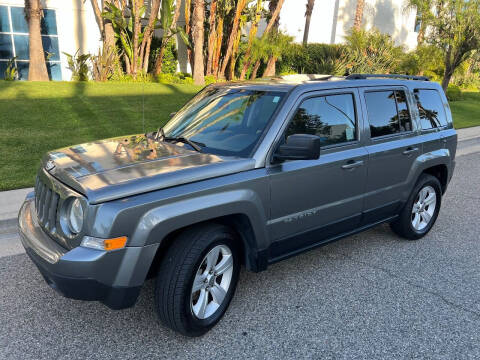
x,y
104,244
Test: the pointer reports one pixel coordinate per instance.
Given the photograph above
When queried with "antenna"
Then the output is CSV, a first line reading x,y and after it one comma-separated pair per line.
x,y
143,105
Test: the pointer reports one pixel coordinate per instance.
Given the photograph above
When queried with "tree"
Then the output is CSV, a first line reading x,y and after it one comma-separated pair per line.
x,y
37,70
247,58
455,30
148,33
275,6
357,23
308,16
233,36
211,35
198,38
168,25
104,25
424,14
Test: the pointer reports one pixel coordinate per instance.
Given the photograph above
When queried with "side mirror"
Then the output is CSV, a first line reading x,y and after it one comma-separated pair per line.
x,y
299,147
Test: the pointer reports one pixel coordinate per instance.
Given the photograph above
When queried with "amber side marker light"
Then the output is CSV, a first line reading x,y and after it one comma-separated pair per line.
x,y
104,244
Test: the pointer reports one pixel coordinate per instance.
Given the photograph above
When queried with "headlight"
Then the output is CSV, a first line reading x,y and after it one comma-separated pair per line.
x,y
75,216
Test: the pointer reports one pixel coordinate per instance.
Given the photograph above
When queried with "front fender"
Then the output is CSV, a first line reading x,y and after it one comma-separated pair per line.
x,y
157,223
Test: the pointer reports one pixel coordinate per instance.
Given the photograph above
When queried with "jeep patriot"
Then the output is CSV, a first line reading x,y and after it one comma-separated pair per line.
x,y
245,173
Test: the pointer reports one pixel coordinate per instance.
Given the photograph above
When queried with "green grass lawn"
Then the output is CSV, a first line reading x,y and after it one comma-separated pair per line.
x,y
38,117
466,112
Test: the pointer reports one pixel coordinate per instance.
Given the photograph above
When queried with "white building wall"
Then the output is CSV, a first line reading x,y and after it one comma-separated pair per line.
x,y
76,27
332,20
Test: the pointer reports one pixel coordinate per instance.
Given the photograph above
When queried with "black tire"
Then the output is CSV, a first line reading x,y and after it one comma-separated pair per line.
x,y
176,274
402,226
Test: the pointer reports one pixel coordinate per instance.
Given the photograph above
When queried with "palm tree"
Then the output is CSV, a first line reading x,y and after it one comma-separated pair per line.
x,y
308,17
198,36
104,25
37,70
233,35
275,6
357,24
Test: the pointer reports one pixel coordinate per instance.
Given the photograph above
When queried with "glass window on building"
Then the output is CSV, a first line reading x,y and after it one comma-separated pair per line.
x,y
14,41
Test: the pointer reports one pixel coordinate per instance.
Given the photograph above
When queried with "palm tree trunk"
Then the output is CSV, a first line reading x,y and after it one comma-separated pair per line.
x,y
251,36
233,35
188,29
211,36
144,52
218,47
166,37
357,24
270,69
308,17
272,23
136,33
198,35
37,70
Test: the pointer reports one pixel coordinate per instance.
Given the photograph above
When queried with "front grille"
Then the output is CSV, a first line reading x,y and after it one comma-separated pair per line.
x,y
46,205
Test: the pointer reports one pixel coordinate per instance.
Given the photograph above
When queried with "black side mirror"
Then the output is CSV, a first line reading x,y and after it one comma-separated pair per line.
x,y
299,147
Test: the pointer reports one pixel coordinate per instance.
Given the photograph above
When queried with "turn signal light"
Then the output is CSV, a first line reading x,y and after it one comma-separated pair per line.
x,y
104,244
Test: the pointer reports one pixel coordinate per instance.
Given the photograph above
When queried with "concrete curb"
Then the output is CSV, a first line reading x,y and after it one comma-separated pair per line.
x,y
13,199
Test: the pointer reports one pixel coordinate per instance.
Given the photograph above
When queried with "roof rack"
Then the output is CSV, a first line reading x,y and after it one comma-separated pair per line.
x,y
386,76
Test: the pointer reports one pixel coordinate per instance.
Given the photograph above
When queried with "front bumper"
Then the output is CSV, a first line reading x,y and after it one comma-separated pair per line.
x,y
114,277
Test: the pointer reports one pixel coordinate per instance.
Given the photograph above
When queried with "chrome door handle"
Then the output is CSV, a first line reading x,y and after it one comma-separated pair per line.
x,y
410,150
352,165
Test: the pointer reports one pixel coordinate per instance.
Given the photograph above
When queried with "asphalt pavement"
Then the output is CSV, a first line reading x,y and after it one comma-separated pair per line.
x,y
368,296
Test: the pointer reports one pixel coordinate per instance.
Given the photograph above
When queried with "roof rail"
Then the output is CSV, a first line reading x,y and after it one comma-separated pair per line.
x,y
386,76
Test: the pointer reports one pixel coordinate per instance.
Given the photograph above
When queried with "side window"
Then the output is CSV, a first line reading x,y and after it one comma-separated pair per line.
x,y
430,107
387,112
330,117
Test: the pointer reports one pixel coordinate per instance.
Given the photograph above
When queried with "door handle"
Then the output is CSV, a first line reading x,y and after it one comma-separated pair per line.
x,y
410,150
352,164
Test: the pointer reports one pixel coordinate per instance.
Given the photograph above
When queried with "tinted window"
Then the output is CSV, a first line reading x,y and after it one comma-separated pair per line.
x,y
430,107
4,23
227,121
387,112
331,117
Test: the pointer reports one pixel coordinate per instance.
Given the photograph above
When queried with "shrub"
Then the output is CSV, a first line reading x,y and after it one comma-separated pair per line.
x,y
78,65
313,59
11,72
210,79
454,93
371,52
424,60
169,62
178,78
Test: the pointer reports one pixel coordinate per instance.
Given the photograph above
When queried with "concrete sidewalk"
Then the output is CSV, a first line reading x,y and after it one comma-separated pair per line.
x,y
10,201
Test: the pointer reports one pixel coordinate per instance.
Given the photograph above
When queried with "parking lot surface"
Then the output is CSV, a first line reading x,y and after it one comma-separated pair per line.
x,y
371,296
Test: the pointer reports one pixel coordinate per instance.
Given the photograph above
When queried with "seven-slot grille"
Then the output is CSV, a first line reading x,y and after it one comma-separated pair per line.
x,y
46,204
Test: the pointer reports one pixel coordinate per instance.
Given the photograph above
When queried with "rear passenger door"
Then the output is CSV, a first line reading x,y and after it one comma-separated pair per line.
x,y
392,148
312,200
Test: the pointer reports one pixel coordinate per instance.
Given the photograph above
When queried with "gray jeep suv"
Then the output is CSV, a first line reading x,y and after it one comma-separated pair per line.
x,y
244,174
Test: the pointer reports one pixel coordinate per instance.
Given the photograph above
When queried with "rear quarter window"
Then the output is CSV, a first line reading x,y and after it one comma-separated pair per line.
x,y
430,108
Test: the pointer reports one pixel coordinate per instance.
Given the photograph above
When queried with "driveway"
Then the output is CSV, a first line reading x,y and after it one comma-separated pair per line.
x,y
369,296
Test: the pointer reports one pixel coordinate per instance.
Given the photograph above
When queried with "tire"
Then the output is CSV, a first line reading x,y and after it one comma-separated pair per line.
x,y
413,225
186,260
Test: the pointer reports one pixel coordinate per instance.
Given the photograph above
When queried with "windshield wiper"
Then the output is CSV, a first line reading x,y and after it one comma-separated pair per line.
x,y
197,146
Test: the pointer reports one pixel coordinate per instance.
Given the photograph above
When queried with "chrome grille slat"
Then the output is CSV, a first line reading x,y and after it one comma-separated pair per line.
x,y
52,215
46,206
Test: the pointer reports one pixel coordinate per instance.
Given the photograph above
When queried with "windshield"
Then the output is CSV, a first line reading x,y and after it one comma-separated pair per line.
x,y
225,121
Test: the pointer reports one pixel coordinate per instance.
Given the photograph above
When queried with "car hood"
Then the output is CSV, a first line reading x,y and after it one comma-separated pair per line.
x,y
113,168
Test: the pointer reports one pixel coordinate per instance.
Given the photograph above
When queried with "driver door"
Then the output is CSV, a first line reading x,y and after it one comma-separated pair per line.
x,y
314,200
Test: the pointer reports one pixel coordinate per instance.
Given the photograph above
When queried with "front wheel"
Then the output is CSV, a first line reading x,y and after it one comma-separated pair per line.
x,y
421,209
197,279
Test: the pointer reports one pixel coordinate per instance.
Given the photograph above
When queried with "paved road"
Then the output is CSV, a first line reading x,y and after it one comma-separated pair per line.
x,y
368,296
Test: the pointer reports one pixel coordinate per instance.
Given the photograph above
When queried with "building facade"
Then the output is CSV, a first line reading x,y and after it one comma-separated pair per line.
x,y
69,26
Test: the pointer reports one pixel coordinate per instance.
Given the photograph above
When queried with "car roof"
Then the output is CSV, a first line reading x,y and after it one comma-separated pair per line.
x,y
311,82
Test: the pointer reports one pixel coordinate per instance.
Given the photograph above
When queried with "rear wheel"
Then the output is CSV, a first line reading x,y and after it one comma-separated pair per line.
x,y
197,279
421,210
